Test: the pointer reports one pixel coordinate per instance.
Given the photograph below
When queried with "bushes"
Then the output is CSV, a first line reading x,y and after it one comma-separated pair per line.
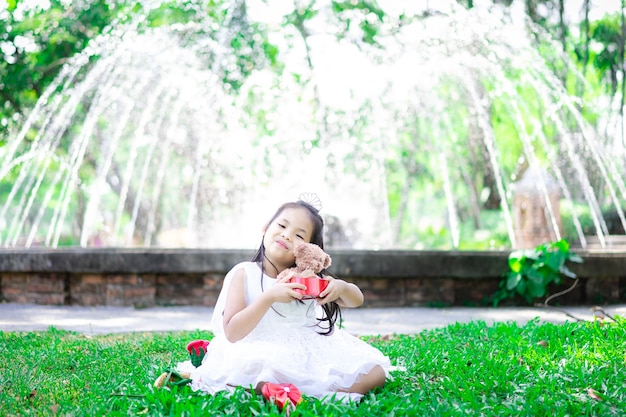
x,y
532,271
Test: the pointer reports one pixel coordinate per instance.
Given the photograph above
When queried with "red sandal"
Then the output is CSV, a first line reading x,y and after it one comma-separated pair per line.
x,y
283,395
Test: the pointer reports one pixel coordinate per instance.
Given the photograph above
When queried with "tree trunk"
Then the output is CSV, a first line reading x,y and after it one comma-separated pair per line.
x,y
563,38
585,41
621,58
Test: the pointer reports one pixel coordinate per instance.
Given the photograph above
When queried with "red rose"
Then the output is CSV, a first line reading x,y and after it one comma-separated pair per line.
x,y
197,350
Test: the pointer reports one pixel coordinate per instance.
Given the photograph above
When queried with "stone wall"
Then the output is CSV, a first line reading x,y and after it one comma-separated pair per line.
x,y
193,277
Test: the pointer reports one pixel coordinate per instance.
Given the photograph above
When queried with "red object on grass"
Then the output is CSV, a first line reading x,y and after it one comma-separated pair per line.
x,y
282,394
197,350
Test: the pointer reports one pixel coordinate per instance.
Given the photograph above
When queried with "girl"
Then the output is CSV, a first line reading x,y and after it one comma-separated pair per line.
x,y
265,333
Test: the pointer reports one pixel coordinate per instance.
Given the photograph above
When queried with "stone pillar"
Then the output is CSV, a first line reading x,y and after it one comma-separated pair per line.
x,y
533,220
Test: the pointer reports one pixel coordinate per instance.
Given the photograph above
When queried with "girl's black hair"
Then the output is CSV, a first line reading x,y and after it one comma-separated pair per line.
x,y
332,311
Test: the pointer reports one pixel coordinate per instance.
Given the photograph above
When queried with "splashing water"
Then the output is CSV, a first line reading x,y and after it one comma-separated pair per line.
x,y
144,146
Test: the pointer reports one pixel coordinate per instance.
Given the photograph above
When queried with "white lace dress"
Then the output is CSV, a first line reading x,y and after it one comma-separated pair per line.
x,y
284,348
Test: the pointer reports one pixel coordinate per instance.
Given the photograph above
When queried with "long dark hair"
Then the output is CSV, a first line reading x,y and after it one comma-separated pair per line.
x,y
332,311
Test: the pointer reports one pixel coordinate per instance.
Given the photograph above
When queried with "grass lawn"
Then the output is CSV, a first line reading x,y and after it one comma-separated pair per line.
x,y
574,369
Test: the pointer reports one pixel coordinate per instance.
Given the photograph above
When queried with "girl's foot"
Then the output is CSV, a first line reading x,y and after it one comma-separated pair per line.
x,y
172,377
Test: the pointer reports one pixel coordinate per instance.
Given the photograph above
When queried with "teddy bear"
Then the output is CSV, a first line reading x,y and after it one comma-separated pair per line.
x,y
310,260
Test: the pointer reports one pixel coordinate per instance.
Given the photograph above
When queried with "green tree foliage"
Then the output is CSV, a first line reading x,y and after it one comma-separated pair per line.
x,y
34,44
607,34
368,17
36,41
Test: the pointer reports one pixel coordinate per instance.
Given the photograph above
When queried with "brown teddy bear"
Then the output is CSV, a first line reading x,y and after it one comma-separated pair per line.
x,y
310,260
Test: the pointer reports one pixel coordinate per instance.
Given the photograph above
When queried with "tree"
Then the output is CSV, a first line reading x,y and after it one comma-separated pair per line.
x,y
36,42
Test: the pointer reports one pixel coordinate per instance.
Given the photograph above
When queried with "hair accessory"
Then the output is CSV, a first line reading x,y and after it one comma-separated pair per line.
x,y
312,200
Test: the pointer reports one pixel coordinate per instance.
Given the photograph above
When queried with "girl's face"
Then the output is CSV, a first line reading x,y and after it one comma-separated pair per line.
x,y
290,227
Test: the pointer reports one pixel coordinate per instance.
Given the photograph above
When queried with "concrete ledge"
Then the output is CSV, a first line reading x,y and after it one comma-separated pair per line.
x,y
112,260
396,263
459,264
144,277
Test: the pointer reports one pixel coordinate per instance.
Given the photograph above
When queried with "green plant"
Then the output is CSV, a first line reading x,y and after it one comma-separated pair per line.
x,y
531,271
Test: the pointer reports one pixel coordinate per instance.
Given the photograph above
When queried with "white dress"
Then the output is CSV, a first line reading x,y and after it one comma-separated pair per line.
x,y
285,347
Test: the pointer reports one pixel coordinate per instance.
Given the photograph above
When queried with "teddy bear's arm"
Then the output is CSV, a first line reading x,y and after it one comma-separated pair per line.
x,y
286,274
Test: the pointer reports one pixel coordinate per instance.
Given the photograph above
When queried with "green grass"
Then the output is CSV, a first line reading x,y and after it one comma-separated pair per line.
x,y
573,369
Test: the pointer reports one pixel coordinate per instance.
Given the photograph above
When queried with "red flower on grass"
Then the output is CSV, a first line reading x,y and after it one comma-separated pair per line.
x,y
282,394
197,350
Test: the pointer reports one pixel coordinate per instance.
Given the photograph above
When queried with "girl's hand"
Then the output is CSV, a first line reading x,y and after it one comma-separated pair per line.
x,y
283,291
344,293
332,292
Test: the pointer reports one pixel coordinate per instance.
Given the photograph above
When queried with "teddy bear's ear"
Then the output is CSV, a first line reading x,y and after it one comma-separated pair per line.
x,y
327,261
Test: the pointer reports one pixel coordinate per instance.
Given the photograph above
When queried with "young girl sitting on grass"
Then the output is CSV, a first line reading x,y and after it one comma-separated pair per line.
x,y
266,334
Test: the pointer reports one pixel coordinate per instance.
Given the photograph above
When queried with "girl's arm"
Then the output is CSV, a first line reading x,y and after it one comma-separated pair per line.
x,y
239,319
344,293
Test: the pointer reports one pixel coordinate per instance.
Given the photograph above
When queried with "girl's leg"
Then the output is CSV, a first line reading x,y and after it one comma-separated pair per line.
x,y
259,387
375,378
